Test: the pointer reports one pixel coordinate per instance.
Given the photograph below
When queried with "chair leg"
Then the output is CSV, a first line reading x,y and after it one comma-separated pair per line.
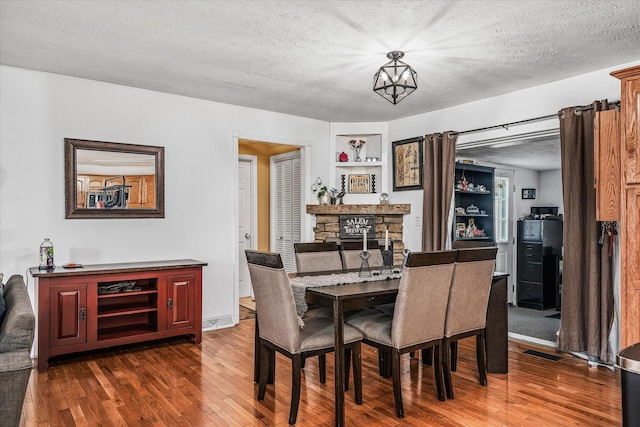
x,y
322,367
296,380
446,368
381,365
481,358
386,363
437,371
257,355
303,360
454,356
427,356
357,372
397,386
347,367
264,370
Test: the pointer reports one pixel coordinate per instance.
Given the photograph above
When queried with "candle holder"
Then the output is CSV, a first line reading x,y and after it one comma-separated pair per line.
x,y
387,262
365,270
405,255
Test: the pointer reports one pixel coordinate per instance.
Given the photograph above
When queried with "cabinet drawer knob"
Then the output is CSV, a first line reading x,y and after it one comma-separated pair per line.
x,y
83,313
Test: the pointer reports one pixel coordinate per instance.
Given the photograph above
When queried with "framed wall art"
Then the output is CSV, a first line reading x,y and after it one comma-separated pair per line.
x,y
408,164
359,184
528,193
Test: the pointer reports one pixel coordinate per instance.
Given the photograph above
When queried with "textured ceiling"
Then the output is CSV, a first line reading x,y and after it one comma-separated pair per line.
x,y
317,58
539,154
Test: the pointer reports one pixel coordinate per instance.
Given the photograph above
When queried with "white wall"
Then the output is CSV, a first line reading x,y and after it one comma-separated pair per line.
x,y
521,105
551,190
39,110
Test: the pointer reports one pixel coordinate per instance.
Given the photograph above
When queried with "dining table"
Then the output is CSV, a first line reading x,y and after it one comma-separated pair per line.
x,y
345,291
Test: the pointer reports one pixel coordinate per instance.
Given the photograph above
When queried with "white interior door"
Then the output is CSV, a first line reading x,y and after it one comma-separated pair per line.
x,y
247,220
286,205
504,226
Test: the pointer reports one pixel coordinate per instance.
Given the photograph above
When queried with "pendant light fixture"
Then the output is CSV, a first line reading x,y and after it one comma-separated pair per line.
x,y
395,80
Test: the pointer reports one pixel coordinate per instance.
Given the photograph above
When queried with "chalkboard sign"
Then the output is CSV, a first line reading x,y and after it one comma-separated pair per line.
x,y
353,226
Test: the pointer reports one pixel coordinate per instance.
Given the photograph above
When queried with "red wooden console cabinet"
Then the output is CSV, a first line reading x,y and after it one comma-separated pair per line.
x,y
105,305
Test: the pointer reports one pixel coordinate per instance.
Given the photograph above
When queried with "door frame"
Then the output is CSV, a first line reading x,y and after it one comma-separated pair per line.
x,y
511,288
253,229
305,164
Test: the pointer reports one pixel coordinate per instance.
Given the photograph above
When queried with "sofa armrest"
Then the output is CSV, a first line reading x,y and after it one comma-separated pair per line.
x,y
18,327
15,361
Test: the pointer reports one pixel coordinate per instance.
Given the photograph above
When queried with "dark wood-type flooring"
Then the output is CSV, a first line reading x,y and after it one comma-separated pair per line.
x,y
176,383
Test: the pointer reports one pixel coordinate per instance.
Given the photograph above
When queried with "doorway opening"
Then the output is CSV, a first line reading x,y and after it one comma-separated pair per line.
x,y
528,160
262,197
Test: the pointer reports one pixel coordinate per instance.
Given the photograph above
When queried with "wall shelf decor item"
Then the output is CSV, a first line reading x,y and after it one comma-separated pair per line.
x,y
113,180
354,226
528,193
359,184
408,164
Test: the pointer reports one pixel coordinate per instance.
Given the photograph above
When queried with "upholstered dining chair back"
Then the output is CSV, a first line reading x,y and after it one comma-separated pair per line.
x,y
469,296
351,254
317,256
421,304
275,305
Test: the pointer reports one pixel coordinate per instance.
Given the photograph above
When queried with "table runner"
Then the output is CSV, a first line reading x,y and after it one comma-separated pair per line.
x,y
300,284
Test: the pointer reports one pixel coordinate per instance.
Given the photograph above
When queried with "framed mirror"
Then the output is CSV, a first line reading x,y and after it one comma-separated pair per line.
x,y
113,180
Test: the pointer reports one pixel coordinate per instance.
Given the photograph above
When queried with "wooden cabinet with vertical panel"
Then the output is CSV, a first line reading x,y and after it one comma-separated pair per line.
x,y
607,165
630,203
142,191
105,305
180,301
148,191
135,191
68,314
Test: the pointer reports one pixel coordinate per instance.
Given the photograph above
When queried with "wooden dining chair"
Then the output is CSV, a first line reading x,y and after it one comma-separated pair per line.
x,y
419,318
467,308
317,257
279,329
350,251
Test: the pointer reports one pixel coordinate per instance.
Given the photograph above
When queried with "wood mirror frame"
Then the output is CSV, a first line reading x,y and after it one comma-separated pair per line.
x,y
113,180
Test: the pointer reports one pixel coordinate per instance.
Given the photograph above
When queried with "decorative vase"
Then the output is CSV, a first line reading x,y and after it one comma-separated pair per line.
x,y
325,199
358,153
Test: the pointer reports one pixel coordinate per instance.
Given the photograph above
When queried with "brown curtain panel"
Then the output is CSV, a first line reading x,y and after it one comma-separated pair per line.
x,y
439,166
587,281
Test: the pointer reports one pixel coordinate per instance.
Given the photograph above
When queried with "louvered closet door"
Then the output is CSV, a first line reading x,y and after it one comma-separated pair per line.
x,y
286,207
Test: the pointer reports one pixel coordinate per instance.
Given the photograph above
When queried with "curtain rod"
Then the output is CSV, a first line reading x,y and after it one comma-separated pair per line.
x,y
535,119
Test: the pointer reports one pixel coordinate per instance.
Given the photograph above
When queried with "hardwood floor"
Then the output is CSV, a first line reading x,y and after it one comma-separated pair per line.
x,y
176,383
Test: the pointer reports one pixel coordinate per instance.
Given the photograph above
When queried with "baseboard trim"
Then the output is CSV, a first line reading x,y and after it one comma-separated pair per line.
x,y
214,323
532,340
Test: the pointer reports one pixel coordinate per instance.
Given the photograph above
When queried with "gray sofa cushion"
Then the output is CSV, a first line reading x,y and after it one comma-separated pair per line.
x,y
2,303
17,328
2,306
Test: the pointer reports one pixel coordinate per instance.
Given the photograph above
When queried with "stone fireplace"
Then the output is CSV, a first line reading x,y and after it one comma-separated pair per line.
x,y
387,217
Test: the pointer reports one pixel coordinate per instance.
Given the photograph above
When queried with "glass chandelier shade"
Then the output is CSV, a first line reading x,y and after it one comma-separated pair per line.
x,y
395,80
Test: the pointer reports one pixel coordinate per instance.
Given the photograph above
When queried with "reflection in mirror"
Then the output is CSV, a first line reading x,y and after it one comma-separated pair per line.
x,y
107,180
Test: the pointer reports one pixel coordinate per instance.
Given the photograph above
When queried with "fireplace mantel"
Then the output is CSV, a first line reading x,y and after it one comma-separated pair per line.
x,y
395,209
388,218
